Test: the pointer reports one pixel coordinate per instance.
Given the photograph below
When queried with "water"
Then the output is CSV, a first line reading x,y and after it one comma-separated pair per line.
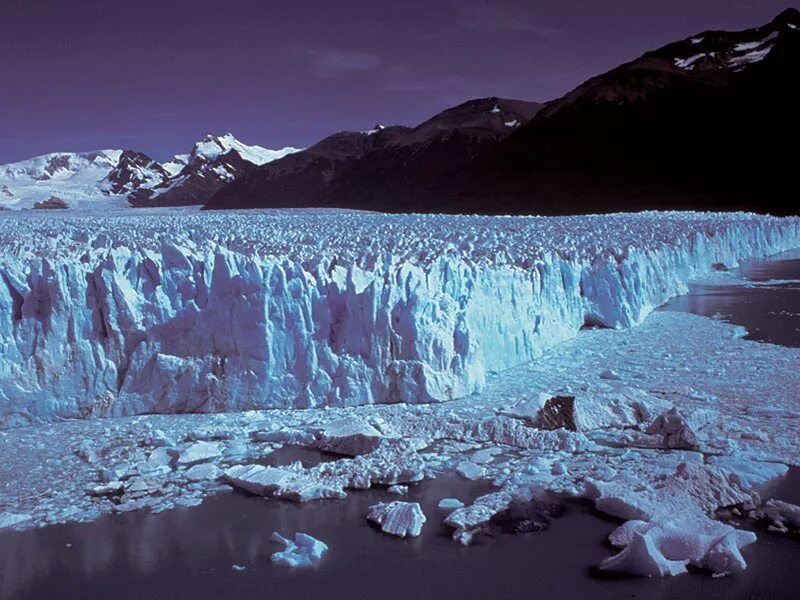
x,y
189,552
769,309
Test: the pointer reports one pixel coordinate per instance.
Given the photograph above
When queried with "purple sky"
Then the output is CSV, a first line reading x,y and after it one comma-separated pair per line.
x,y
156,76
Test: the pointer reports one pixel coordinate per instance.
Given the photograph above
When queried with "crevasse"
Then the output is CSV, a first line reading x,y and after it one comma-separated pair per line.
x,y
234,312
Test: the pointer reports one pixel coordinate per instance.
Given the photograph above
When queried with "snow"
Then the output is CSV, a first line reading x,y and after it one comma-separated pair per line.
x,y
750,57
513,123
220,312
81,178
304,551
75,177
211,147
688,63
374,130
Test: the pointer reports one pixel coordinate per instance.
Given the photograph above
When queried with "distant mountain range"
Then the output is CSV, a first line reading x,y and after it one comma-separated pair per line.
x,y
708,122
108,178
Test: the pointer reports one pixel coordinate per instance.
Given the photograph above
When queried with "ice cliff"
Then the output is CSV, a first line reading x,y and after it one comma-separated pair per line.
x,y
120,315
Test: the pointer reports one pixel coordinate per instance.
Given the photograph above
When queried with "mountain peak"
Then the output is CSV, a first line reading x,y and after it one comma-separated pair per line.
x,y
790,16
213,146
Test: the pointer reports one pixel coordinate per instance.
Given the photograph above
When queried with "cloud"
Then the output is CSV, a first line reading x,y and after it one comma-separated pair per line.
x,y
335,63
512,16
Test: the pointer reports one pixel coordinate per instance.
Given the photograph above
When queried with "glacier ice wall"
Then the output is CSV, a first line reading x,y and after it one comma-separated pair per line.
x,y
199,313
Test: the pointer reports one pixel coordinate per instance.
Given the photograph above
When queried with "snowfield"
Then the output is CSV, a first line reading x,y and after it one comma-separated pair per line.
x,y
123,315
669,426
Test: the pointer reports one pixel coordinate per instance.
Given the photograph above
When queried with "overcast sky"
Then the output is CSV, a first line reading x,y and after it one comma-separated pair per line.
x,y
156,75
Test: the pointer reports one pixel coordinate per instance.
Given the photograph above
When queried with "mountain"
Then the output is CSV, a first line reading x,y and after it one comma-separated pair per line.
x,y
75,177
135,170
112,178
385,167
701,123
194,178
707,122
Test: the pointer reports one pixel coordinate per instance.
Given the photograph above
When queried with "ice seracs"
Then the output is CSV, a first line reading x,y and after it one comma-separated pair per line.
x,y
220,312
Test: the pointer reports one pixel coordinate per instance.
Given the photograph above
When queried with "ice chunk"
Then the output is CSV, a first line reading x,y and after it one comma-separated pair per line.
x,y
750,472
349,436
469,520
781,516
599,410
450,503
296,437
659,549
643,558
469,470
199,452
402,519
203,472
8,519
256,479
304,551
675,431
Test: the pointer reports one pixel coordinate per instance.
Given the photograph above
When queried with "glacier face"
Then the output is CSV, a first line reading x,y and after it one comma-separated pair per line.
x,y
157,312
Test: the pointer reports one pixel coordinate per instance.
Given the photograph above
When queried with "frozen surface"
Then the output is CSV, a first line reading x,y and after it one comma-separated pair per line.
x,y
217,312
81,469
667,425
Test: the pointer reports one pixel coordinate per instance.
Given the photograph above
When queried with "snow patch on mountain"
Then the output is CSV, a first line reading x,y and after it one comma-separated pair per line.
x,y
75,177
211,147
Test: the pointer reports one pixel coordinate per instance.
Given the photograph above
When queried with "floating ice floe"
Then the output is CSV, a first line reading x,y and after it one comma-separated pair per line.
x,y
304,551
402,519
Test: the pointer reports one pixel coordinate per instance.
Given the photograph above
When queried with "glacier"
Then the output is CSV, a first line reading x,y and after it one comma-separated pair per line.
x,y
175,313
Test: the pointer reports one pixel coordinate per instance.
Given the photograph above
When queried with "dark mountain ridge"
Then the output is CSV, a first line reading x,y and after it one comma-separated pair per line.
x,y
708,122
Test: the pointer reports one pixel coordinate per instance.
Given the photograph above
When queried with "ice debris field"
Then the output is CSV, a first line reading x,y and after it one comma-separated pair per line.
x,y
418,345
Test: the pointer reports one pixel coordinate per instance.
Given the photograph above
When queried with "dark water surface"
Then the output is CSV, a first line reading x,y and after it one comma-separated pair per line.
x,y
189,552
769,309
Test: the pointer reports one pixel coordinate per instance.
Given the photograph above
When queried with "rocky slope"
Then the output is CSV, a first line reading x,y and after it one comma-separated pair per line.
x,y
386,167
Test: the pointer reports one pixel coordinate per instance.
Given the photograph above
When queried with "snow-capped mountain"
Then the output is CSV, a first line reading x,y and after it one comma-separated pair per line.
x,y
134,170
75,177
108,178
195,177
